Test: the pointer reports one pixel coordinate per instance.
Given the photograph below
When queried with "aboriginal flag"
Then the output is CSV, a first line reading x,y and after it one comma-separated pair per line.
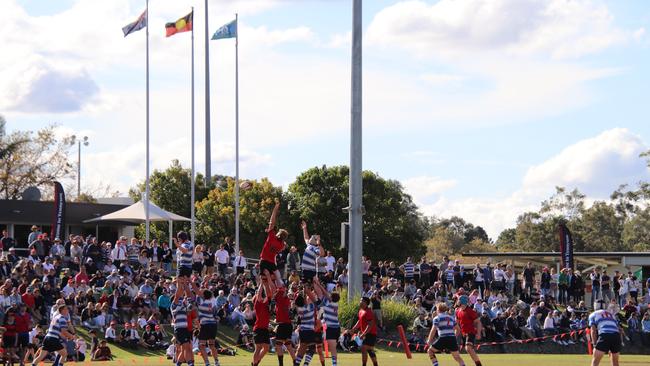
x,y
184,24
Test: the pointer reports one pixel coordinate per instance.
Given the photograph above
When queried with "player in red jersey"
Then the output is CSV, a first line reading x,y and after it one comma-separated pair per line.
x,y
367,324
470,327
284,329
261,336
273,245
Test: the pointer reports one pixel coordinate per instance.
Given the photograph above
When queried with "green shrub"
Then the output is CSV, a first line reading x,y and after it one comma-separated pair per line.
x,y
394,313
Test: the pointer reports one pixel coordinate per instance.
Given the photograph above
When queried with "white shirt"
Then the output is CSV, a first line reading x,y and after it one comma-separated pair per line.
x,y
498,274
67,290
118,253
240,261
222,256
110,333
330,263
81,345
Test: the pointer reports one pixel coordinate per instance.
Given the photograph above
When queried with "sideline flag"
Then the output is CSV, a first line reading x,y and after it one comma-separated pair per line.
x,y
58,217
227,31
137,25
184,24
566,247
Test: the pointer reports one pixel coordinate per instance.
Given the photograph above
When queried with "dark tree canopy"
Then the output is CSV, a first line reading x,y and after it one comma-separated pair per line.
x,y
393,227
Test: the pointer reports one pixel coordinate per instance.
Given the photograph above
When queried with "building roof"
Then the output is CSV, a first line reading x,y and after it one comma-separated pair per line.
x,y
41,212
586,258
557,254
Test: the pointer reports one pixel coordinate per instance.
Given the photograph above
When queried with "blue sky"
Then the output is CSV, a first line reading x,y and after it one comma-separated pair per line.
x,y
479,107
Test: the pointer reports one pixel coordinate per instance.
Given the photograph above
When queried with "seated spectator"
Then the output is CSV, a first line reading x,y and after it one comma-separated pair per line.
x,y
111,333
645,329
80,349
103,352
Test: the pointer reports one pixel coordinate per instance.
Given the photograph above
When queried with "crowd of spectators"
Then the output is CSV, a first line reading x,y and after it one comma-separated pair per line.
x,y
123,291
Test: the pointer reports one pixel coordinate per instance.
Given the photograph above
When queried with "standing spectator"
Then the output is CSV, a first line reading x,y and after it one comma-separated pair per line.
x,y
425,271
155,253
208,260
529,279
408,268
331,261
488,275
479,279
6,241
293,260
616,285
281,262
222,257
563,286
576,286
33,235
605,284
118,254
594,276
241,263
197,259
633,286
545,283
167,258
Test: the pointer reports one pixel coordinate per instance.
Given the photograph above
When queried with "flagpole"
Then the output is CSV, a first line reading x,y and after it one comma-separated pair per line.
x,y
146,209
237,135
207,99
192,198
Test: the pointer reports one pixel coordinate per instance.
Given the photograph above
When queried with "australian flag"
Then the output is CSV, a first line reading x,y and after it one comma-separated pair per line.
x,y
137,25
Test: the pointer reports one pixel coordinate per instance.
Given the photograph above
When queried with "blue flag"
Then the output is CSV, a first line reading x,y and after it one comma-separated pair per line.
x,y
227,31
137,25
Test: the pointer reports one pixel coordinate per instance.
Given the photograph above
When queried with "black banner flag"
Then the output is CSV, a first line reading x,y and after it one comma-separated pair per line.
x,y
566,247
58,219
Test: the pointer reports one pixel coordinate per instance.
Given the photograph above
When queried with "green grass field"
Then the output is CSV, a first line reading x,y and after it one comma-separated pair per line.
x,y
394,359
386,358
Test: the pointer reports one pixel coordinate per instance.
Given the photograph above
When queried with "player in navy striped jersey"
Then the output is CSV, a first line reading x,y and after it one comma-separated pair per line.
x,y
330,309
56,334
207,323
184,251
313,251
180,308
305,304
447,330
605,335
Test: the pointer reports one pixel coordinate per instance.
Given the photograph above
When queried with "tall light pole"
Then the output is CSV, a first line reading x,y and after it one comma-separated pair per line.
x,y
85,142
355,208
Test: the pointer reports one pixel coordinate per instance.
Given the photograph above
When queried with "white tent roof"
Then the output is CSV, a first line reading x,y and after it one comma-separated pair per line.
x,y
136,213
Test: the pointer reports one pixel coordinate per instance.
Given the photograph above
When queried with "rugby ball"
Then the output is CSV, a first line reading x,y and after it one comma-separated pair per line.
x,y
245,185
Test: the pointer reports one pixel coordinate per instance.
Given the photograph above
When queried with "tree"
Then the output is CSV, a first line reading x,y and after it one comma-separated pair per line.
x,y
170,190
507,239
535,233
569,205
216,214
444,241
636,232
32,159
600,228
393,227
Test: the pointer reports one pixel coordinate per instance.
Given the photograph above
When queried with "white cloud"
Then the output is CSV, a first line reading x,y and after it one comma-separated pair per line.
x,y
559,28
511,60
596,166
424,188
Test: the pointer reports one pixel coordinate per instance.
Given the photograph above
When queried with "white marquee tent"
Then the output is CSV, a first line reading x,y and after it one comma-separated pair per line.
x,y
136,214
